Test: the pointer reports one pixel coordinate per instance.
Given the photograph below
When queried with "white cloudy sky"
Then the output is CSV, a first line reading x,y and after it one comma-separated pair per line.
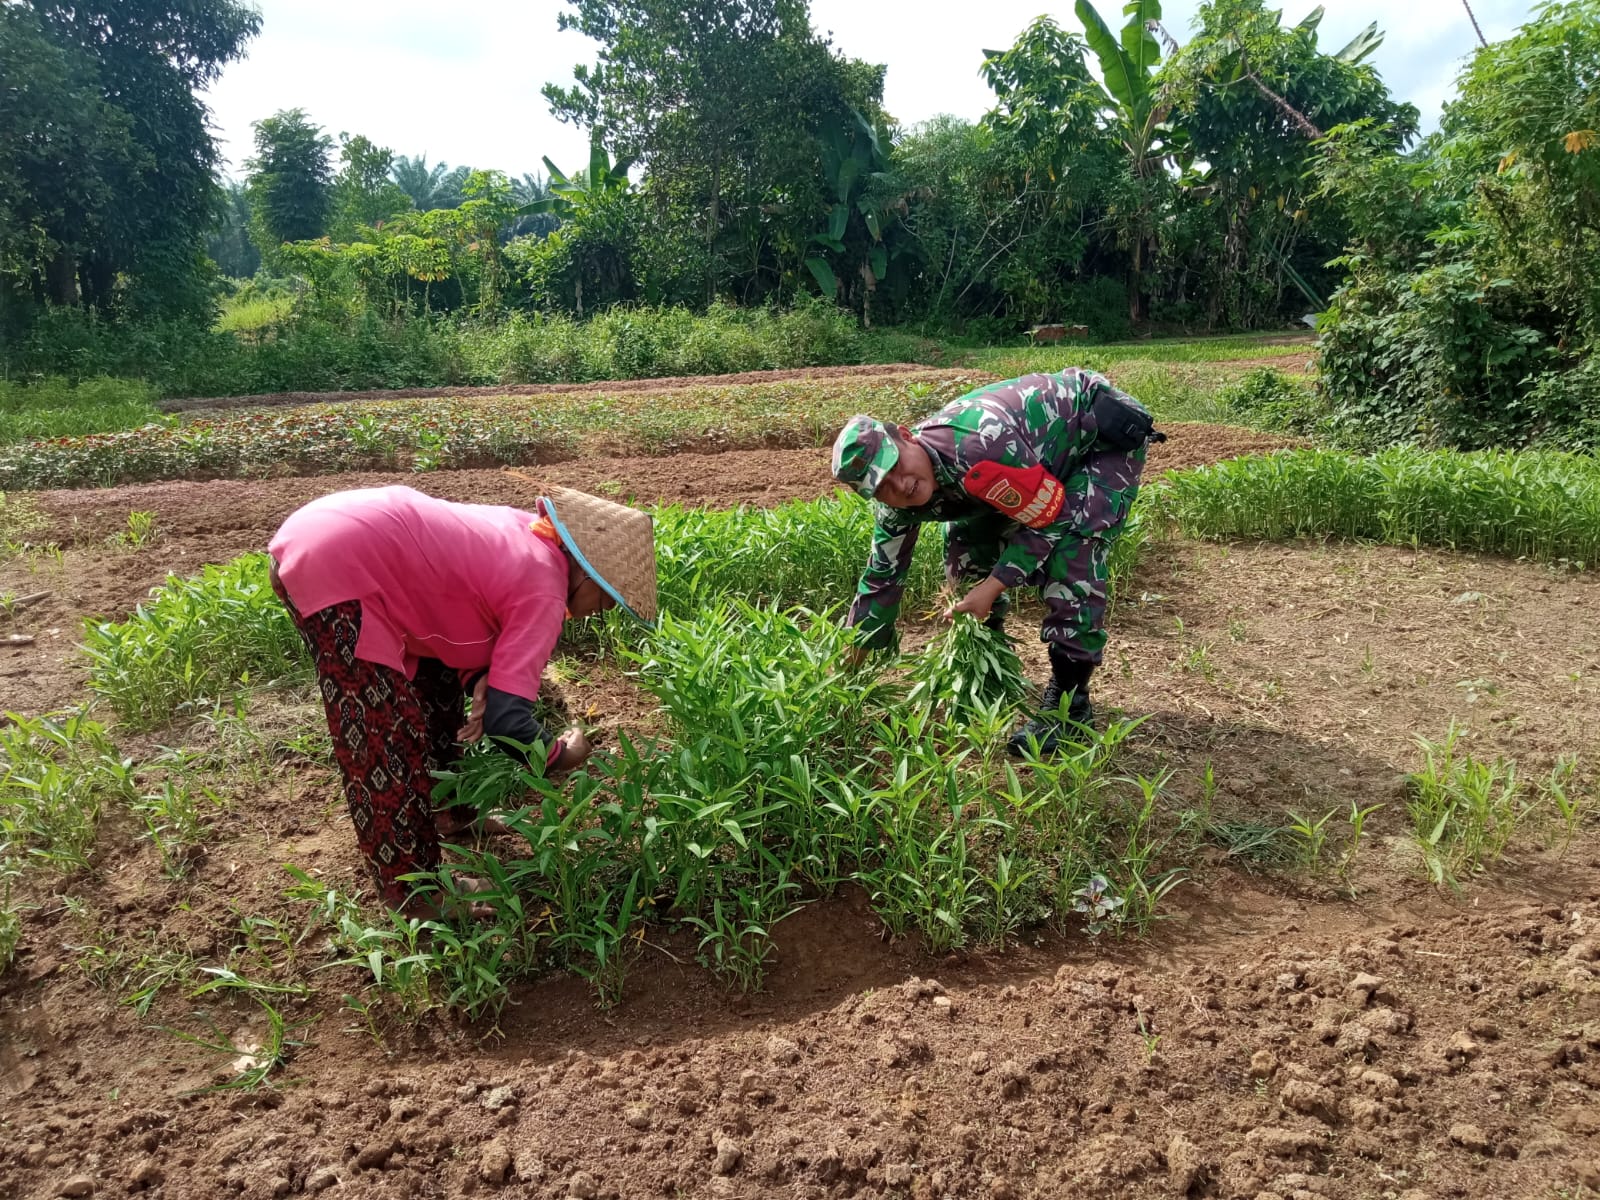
x,y
460,81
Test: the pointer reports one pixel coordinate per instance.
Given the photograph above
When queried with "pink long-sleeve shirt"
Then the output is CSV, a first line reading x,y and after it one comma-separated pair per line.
x,y
468,584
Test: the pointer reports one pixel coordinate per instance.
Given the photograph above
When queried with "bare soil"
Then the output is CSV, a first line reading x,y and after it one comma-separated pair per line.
x,y
1278,1037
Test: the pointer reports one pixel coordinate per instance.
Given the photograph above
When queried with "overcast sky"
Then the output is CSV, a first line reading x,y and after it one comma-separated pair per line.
x,y
460,81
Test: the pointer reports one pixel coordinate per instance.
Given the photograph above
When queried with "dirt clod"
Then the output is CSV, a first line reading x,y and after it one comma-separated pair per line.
x,y
782,1052
147,1174
1354,1040
1013,1079
1362,988
375,1154
1186,1166
1381,1083
500,1097
1460,1049
1308,1098
1283,1143
1263,1064
729,1156
78,1185
495,1163
582,1186
1471,1137
322,1179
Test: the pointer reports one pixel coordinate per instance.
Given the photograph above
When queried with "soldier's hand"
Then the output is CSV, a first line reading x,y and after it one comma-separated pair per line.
x,y
978,602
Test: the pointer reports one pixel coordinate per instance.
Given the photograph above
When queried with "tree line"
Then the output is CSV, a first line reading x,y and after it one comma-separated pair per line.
x,y
737,156
1237,175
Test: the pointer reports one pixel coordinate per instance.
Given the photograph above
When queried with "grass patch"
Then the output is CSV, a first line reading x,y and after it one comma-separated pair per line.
x,y
53,408
783,777
195,641
1463,811
58,773
113,433
254,316
1007,362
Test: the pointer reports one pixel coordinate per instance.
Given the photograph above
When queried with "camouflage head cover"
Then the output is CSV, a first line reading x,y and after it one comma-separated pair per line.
x,y
863,453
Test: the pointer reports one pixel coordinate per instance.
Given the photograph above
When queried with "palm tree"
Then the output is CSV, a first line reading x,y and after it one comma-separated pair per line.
x,y
429,187
528,190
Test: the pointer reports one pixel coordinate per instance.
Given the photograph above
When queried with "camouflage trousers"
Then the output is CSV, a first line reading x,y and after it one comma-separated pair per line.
x,y
1071,582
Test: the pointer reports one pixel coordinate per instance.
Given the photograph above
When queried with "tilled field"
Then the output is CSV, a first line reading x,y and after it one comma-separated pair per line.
x,y
1277,1037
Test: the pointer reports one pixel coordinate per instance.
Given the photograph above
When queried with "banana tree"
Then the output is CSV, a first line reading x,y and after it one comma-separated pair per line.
x,y
860,238
570,193
1138,117
596,243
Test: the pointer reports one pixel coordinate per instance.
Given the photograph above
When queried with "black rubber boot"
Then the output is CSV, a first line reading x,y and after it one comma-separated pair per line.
x,y
1067,677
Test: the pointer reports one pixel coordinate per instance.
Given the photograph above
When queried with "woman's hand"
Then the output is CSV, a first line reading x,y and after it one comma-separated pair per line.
x,y
575,750
978,602
472,731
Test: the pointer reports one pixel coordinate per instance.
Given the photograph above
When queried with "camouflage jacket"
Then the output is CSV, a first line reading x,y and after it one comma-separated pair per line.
x,y
1024,425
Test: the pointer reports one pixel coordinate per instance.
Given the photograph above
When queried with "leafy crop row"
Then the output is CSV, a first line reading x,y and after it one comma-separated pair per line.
x,y
425,435
1544,506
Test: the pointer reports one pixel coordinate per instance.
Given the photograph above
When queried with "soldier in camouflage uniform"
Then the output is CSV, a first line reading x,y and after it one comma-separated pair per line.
x,y
1032,480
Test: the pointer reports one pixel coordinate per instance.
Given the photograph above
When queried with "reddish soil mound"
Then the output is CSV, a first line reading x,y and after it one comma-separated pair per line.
x,y
665,384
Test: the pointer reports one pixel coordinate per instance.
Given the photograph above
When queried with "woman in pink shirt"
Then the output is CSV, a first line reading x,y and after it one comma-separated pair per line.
x,y
409,603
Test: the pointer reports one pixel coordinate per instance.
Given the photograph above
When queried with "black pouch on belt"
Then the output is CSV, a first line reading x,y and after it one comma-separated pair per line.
x,y
1122,424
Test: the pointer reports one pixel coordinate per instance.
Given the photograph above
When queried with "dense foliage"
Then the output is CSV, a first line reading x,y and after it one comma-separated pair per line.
x,y
107,185
1473,305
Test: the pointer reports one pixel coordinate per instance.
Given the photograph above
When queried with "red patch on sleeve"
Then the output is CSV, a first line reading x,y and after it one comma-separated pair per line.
x,y
1029,495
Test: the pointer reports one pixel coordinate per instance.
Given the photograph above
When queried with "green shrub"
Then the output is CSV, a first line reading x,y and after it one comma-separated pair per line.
x,y
196,641
1268,399
1436,358
201,639
251,351
432,434
643,343
1570,402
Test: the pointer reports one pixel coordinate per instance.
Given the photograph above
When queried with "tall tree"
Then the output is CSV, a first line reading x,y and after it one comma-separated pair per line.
x,y
363,193
110,166
290,181
719,99
1254,98
530,189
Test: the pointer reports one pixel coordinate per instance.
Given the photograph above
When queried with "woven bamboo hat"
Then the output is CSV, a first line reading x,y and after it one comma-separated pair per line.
x,y
614,544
